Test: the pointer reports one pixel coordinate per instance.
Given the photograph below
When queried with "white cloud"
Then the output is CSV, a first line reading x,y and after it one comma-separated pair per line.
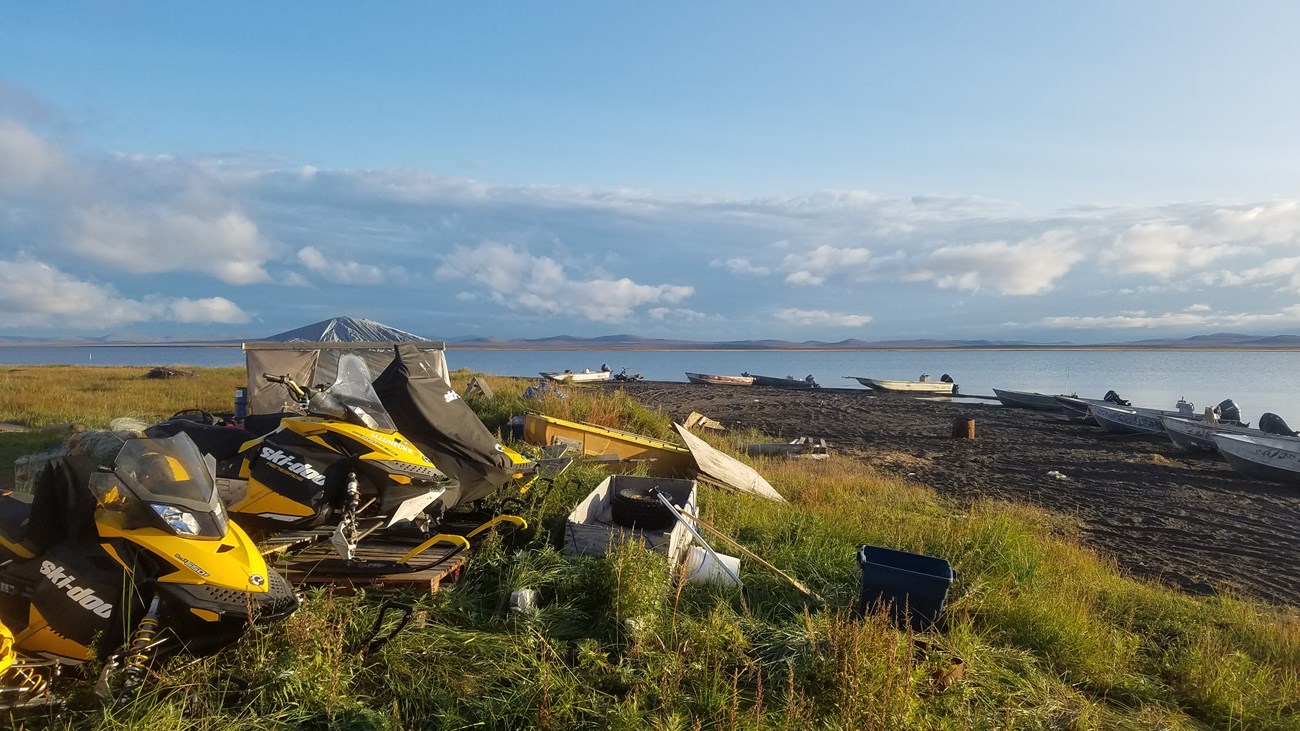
x,y
741,265
341,272
518,280
1283,274
26,160
811,268
1027,267
819,318
1165,248
1199,308
147,240
34,294
676,314
1141,320
208,309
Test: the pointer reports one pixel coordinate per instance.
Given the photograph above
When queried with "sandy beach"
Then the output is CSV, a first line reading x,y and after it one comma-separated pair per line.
x,y
1181,518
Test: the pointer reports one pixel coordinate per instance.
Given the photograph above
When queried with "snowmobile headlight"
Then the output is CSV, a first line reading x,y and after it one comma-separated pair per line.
x,y
182,522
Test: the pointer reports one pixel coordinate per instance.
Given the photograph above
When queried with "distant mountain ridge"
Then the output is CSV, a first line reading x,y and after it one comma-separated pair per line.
x,y
359,329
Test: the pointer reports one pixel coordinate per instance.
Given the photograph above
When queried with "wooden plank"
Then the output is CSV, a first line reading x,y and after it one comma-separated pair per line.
x,y
320,566
723,469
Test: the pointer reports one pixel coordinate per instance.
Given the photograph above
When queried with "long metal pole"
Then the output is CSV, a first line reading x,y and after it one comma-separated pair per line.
x,y
681,519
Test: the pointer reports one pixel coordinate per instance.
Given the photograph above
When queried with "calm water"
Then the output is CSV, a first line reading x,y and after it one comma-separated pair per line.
x,y
1258,382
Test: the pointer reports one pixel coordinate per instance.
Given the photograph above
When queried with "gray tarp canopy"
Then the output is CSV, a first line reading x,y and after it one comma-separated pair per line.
x,y
312,363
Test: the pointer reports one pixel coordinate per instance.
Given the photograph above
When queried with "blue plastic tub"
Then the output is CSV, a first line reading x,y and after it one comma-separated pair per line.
x,y
912,586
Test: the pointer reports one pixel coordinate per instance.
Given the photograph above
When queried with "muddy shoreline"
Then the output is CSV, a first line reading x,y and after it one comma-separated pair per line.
x,y
1181,518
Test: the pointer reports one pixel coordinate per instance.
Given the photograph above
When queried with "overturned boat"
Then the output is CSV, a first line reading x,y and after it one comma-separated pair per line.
x,y
614,446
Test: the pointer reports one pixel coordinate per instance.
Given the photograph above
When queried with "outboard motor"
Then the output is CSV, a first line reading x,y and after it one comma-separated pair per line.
x,y
1114,398
1228,411
948,379
1271,423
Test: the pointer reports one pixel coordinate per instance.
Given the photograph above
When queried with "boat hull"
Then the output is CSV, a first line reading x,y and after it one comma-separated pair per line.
x,y
1025,400
1075,409
625,449
1126,420
774,382
713,380
883,384
1268,458
1199,435
583,377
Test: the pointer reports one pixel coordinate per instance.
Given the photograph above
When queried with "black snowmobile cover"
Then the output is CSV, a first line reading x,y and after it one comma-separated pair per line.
x,y
433,416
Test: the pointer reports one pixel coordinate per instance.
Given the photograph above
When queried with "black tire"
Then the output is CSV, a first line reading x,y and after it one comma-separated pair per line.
x,y
637,507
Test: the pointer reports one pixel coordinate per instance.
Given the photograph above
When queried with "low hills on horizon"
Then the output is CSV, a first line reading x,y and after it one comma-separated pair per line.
x,y
355,329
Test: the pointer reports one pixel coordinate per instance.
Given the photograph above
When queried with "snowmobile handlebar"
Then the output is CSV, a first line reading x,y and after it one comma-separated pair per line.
x,y
288,383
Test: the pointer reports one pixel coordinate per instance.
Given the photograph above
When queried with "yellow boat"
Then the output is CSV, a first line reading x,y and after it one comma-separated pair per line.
x,y
621,448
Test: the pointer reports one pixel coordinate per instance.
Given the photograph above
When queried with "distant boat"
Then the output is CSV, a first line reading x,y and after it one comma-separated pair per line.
x,y
787,382
1268,457
1028,400
713,380
921,385
584,376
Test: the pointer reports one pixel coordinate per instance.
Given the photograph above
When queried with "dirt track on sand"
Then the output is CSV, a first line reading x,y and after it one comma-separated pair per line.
x,y
1177,517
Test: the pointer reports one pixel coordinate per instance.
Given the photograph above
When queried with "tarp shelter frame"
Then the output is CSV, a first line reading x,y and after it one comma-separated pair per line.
x,y
311,363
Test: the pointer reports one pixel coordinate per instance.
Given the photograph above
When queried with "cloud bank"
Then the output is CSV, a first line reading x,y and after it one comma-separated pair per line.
x,y
98,240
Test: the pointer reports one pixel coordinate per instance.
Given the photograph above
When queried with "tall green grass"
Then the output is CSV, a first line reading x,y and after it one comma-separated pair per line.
x,y
1050,635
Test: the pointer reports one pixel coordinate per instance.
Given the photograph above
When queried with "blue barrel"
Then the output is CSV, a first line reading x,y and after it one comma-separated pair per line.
x,y
241,404
911,586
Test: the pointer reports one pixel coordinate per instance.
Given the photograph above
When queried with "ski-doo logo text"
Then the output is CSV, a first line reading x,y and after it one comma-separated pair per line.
x,y
81,595
287,461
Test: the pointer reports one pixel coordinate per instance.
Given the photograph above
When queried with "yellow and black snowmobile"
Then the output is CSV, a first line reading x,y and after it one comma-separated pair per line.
x,y
343,463
125,552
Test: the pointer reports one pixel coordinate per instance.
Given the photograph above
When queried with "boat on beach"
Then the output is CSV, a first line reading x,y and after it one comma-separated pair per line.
x,y
1133,419
584,376
1199,435
1027,400
921,385
714,380
787,382
1075,409
1268,457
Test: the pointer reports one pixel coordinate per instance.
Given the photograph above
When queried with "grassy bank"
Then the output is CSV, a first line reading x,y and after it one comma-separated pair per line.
x,y
1049,634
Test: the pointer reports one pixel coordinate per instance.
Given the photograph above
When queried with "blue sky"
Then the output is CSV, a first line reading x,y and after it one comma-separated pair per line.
x,y
732,170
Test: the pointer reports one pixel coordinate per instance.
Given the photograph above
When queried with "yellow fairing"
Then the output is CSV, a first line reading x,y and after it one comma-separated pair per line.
x,y
261,500
385,446
39,638
230,563
7,654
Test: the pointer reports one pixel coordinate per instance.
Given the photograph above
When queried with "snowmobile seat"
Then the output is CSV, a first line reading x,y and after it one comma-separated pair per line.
x,y
15,509
222,442
259,425
61,507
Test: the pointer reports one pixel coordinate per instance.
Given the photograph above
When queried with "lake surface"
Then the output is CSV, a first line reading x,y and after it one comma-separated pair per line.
x,y
1257,381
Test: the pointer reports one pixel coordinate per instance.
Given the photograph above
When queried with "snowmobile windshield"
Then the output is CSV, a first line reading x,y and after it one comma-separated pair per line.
x,y
352,397
164,482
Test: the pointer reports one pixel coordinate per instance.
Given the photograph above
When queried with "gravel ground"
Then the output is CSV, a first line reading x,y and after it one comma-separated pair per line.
x,y
1178,517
